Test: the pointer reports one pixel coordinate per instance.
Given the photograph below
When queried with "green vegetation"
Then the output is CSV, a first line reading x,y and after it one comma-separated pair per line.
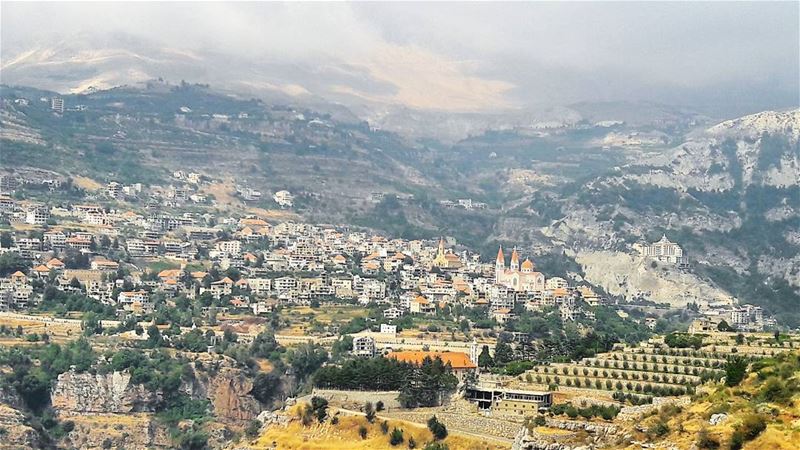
x,y
606,412
437,428
684,340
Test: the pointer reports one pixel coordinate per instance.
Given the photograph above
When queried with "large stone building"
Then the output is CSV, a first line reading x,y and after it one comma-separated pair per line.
x,y
664,251
519,277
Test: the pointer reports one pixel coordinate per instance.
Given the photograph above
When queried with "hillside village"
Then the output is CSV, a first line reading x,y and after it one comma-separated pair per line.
x,y
144,269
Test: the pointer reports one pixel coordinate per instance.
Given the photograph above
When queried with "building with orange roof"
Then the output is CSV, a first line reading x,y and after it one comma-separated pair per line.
x,y
422,305
55,264
458,361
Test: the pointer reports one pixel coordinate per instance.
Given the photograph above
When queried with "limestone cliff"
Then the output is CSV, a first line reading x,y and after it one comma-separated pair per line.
x,y
228,390
111,393
17,432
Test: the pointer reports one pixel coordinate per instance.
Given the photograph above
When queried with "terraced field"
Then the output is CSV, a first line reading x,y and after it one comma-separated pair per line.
x,y
652,370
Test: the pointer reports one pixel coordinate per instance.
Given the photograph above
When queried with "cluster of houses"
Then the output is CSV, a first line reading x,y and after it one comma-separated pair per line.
x,y
293,263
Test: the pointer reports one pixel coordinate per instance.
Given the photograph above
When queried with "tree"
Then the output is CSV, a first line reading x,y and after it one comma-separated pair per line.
x,y
735,370
369,412
396,438
6,240
362,431
379,406
11,262
412,444
485,359
265,386
154,339
319,406
503,353
723,326
437,428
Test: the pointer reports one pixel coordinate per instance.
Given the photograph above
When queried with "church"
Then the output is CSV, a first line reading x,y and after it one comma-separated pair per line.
x,y
446,260
520,277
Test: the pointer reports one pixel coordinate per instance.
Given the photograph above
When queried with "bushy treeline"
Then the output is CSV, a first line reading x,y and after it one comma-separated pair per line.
x,y
421,385
372,374
606,412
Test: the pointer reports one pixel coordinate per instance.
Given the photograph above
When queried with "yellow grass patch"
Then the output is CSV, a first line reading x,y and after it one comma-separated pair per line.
x,y
345,436
86,183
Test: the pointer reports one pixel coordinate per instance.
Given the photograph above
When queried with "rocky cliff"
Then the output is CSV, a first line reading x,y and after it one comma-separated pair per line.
x,y
111,393
228,390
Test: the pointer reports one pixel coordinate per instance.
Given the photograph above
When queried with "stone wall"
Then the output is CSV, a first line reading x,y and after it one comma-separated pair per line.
x,y
356,399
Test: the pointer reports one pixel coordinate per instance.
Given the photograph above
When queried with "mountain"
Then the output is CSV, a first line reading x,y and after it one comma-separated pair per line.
x,y
575,196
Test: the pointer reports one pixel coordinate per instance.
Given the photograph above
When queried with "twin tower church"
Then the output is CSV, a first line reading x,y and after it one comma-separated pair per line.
x,y
520,277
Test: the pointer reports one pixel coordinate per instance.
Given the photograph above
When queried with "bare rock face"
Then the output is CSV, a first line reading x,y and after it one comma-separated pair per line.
x,y
104,394
229,393
18,434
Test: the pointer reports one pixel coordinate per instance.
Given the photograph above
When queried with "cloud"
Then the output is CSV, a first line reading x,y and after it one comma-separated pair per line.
x,y
469,56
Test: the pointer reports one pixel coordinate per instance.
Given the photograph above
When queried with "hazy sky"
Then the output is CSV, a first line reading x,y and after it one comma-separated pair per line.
x,y
473,56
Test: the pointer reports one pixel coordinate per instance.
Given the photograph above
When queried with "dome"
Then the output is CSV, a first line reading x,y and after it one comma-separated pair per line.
x,y
527,265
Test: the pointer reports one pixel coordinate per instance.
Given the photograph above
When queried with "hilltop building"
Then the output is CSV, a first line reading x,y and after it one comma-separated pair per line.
x,y
664,251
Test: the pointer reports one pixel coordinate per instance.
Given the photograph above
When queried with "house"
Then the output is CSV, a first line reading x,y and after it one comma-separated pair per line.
x,y
388,329
104,264
460,362
364,346
55,264
421,305
502,315
392,313
129,297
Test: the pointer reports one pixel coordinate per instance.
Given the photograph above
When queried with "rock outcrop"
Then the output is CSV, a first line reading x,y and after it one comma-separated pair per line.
x,y
229,393
112,393
17,433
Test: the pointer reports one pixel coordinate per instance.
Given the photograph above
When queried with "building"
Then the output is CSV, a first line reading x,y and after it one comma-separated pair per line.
x,y
664,251
459,362
502,401
421,305
392,313
37,215
229,247
364,346
57,104
446,260
388,329
519,277
284,199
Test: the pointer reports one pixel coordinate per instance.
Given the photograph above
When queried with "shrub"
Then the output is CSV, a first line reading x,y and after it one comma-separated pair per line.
x,y
706,441
379,406
658,429
385,427
539,421
437,428
362,431
396,437
752,425
369,412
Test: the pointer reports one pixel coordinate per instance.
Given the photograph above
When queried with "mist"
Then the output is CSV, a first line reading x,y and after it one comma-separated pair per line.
x,y
725,58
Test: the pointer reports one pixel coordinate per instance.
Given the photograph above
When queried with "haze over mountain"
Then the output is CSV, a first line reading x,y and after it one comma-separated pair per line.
x,y
383,61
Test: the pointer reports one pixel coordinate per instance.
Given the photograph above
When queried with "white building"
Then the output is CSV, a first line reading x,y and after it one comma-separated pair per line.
x,y
664,251
57,104
388,329
284,199
364,346
37,215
